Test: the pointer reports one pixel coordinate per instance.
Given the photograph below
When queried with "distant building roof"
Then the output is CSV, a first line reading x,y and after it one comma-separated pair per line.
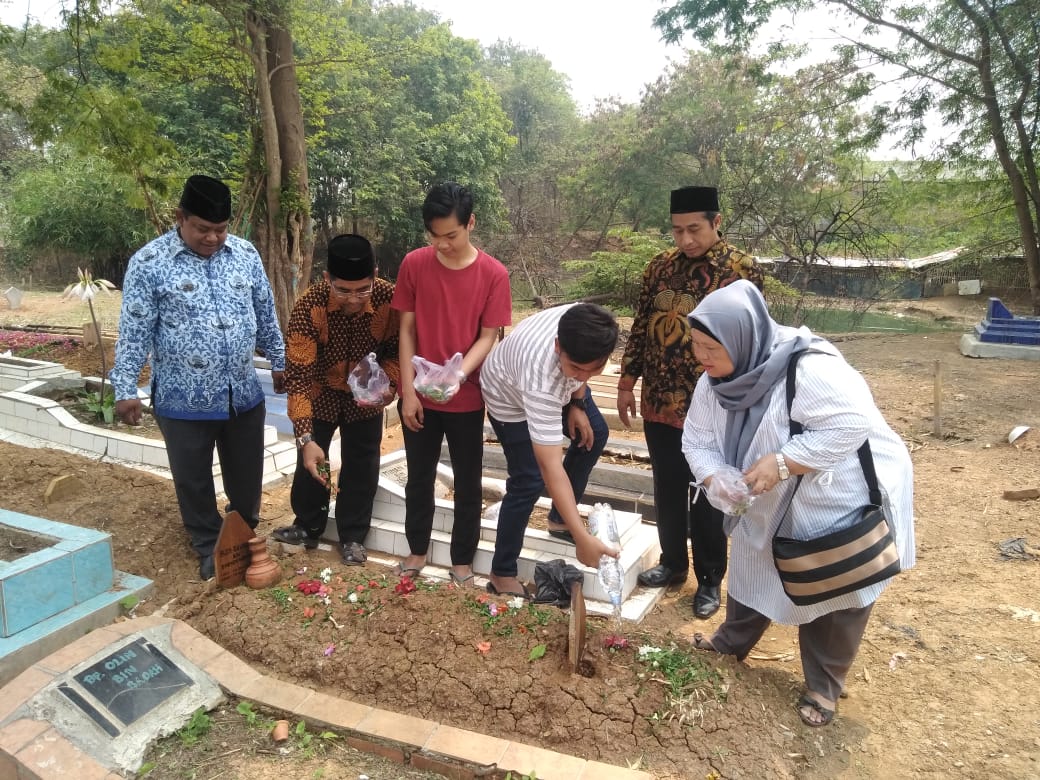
x,y
862,262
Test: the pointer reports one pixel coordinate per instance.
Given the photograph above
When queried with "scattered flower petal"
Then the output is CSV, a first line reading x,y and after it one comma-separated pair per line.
x,y
308,612
483,647
404,586
309,587
352,598
517,602
330,650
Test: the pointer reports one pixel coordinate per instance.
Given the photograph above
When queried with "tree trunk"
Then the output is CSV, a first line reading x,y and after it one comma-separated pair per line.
x,y
283,226
1019,189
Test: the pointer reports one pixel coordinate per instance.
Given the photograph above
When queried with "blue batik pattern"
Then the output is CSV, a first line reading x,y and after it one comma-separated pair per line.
x,y
199,321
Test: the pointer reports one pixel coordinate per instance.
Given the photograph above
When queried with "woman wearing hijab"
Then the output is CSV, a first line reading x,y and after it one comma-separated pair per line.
x,y
739,418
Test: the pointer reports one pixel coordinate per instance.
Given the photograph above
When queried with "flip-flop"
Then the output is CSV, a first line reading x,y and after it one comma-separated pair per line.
x,y
461,582
411,574
826,714
496,592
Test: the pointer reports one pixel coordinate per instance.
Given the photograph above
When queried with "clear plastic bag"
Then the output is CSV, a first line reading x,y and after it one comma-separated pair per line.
x,y
436,382
369,382
729,492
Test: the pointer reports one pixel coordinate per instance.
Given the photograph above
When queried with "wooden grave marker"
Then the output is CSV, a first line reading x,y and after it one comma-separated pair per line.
x,y
576,629
231,555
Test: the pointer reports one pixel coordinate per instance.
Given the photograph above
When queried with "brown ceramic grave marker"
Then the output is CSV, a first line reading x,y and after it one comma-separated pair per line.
x,y
576,631
231,555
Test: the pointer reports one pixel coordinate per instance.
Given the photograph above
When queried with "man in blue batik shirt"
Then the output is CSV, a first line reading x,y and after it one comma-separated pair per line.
x,y
198,303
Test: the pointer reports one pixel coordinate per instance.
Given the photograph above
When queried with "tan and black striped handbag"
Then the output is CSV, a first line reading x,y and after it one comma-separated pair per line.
x,y
814,570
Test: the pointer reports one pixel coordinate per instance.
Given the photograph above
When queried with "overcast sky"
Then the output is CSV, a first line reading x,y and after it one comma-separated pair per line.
x,y
606,49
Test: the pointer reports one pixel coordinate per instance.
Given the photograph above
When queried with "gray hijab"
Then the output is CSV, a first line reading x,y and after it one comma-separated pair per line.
x,y
737,316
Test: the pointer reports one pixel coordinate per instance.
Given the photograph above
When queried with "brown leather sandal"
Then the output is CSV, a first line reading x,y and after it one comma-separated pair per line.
x,y
826,714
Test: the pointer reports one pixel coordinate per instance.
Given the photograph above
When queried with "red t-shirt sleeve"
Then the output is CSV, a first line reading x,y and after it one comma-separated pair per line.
x,y
404,288
499,310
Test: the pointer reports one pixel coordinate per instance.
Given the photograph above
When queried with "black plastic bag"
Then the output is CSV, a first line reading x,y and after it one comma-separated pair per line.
x,y
553,580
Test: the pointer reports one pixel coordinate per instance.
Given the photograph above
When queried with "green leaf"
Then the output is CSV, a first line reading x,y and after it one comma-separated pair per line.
x,y
129,602
536,652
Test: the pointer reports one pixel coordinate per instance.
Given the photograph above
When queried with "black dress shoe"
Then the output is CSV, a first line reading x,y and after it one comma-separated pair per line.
x,y
660,576
207,571
706,601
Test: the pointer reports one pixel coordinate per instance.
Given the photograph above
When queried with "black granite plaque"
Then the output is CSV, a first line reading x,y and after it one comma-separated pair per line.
x,y
133,680
74,696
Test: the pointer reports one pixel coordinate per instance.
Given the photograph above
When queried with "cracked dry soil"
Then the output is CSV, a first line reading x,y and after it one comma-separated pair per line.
x,y
944,684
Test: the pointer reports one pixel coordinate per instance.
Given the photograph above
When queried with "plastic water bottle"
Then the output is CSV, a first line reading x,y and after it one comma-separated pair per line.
x,y
611,576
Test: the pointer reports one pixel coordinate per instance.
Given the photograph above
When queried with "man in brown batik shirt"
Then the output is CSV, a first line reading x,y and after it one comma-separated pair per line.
x,y
659,351
333,326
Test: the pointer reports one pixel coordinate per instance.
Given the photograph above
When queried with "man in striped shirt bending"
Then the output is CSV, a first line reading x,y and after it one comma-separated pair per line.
x,y
535,386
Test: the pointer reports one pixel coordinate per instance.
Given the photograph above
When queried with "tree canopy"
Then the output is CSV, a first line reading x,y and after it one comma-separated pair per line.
x,y
971,61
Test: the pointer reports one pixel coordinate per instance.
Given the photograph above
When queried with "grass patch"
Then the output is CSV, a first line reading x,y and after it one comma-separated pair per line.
x,y
847,321
691,684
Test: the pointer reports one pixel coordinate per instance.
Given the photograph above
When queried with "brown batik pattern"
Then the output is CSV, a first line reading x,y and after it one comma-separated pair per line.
x,y
659,348
322,346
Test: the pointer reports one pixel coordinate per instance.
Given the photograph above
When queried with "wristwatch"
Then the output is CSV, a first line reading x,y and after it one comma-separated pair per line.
x,y
578,403
781,467
303,441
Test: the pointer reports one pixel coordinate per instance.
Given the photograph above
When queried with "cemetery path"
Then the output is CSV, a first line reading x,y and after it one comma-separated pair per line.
x,y
944,684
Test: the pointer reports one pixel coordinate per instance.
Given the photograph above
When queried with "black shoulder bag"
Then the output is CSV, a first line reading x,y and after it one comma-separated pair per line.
x,y
818,569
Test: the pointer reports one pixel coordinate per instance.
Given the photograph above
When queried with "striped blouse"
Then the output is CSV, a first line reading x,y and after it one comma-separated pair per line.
x,y
834,404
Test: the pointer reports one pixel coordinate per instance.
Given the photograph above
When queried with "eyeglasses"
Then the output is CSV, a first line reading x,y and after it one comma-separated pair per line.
x,y
359,294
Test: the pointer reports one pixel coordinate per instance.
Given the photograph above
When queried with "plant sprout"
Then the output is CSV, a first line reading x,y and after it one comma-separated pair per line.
x,y
85,289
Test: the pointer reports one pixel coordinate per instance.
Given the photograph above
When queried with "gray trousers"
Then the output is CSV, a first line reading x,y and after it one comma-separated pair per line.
x,y
828,644
240,449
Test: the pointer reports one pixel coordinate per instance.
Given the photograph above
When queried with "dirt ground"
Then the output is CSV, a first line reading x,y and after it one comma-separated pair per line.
x,y
944,685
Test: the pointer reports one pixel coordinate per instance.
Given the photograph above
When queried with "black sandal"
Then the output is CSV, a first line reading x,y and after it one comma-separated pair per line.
x,y
826,714
293,534
701,643
563,534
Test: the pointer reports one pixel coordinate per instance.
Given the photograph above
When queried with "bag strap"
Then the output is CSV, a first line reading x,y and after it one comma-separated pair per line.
x,y
866,457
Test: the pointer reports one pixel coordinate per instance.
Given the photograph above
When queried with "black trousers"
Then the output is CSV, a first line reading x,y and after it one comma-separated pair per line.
x,y
677,519
464,432
240,450
358,481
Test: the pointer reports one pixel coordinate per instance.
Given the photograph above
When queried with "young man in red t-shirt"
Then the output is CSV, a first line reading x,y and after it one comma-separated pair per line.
x,y
453,298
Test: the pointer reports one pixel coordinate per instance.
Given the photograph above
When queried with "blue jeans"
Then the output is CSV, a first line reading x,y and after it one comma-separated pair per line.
x,y
525,483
